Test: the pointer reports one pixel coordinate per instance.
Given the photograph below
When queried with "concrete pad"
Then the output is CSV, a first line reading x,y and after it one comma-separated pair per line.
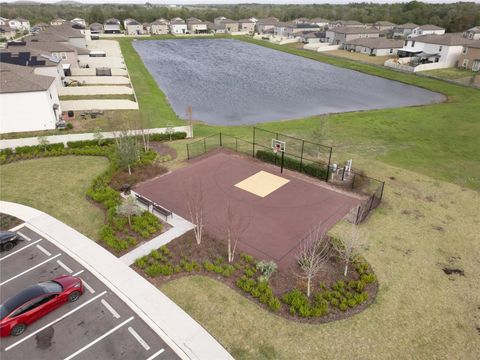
x,y
94,90
109,61
79,105
107,80
262,183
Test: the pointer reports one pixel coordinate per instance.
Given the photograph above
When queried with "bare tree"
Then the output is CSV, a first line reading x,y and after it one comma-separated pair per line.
x,y
313,254
348,243
196,207
235,227
127,149
129,208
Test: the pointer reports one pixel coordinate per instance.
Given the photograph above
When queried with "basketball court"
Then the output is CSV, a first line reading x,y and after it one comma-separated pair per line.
x,y
282,208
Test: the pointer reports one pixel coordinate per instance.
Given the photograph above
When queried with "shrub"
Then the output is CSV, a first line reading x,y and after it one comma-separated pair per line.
x,y
208,265
250,272
228,270
246,258
155,254
298,302
141,262
267,268
343,306
274,304
146,224
166,137
89,143
368,278
159,269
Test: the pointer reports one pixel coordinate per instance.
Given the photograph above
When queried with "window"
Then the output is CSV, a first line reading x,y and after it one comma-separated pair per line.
x,y
413,43
465,50
440,48
64,55
465,63
406,42
391,51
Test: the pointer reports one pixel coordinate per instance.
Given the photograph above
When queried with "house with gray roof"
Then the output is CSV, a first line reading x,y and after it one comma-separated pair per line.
x,y
473,33
427,29
133,27
112,26
96,28
384,25
178,26
345,23
159,27
374,46
28,102
6,32
404,30
196,26
341,35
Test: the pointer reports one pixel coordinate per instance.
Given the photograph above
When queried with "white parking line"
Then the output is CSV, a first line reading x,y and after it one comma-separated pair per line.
x,y
42,249
23,248
156,354
98,339
88,286
139,339
109,307
28,270
17,227
64,266
24,236
78,273
54,321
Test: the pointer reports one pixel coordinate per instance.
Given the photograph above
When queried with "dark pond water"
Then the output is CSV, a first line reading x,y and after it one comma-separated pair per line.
x,y
230,82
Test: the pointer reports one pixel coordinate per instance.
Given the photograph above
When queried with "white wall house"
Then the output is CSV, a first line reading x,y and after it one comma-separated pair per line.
x,y
341,35
133,27
80,22
3,21
178,27
159,27
473,33
404,30
374,46
28,102
19,24
57,22
111,26
427,30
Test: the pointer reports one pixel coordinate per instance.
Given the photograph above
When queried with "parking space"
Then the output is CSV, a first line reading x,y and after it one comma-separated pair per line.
x,y
97,326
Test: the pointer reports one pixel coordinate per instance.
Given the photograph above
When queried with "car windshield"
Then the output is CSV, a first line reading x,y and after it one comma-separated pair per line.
x,y
3,312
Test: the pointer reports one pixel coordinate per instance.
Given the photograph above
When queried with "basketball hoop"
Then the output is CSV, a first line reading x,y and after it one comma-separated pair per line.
x,y
276,148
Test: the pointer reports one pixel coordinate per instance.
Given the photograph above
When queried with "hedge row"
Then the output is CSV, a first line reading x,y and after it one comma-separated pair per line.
x,y
165,137
315,170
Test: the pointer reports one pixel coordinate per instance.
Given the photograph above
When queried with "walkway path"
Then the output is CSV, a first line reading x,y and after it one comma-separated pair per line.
x,y
79,105
177,328
94,90
57,139
103,80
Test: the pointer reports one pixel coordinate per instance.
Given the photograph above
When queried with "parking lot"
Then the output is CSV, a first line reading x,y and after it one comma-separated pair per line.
x,y
97,326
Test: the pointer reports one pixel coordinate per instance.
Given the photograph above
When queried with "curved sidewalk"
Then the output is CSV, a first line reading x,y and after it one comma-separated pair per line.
x,y
188,338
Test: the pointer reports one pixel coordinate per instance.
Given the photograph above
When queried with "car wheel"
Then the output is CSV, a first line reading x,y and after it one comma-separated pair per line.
x,y
8,246
74,296
18,329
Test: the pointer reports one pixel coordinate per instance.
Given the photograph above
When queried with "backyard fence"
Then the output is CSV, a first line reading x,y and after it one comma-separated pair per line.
x,y
302,156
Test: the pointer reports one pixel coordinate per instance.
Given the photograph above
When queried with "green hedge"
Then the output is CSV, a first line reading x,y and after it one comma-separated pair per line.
x,y
166,137
38,148
315,170
89,143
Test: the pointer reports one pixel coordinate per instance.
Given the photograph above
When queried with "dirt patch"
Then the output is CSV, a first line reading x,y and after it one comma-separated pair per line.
x,y
163,149
453,271
282,281
7,222
138,175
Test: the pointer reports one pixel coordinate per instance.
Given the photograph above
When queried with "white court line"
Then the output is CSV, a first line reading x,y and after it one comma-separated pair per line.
x,y
78,273
64,266
23,248
24,236
139,339
88,287
17,227
115,314
55,321
42,249
26,271
98,339
156,354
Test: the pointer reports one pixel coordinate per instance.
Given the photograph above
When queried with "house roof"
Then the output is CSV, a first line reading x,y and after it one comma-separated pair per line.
x,y
319,20
355,30
306,26
96,26
384,23
112,21
267,21
132,22
475,29
44,56
474,44
65,30
243,21
50,46
16,78
6,28
430,27
407,26
177,22
21,19
160,22
377,43
450,39
46,36
284,24
348,22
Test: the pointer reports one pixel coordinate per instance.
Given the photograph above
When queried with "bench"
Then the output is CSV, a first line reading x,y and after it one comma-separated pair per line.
x,y
143,200
161,210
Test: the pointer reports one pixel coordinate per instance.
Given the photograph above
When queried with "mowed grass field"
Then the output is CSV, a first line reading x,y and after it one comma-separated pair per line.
x,y
57,186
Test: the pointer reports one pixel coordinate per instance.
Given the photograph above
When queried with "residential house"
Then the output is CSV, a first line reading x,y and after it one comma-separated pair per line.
x,y
384,25
133,27
57,22
216,28
79,23
96,28
301,20
3,21
345,23
39,27
473,33
196,26
374,46
43,62
218,20
19,24
6,32
159,27
310,37
253,19
74,36
341,35
246,25
265,24
231,26
470,57
428,29
178,26
322,23
283,29
147,28
444,49
28,102
111,26
67,53
404,30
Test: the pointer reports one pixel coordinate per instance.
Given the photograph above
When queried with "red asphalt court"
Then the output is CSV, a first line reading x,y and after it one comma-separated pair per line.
x,y
277,222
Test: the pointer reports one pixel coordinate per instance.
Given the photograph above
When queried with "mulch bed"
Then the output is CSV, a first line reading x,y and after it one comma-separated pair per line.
x,y
7,222
163,149
281,282
138,175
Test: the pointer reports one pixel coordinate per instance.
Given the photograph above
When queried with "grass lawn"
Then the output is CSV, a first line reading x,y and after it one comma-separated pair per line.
x,y
450,73
56,186
377,60
420,313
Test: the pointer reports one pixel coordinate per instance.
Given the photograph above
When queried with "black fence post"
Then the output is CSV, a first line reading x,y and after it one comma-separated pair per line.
x,y
301,155
353,181
253,143
281,167
328,166
205,145
221,145
236,145
381,191
343,173
188,153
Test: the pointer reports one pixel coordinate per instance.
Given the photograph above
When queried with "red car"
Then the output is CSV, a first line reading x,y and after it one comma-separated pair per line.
x,y
36,301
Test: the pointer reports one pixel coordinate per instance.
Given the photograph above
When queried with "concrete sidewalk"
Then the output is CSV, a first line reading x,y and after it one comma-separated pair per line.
x,y
188,338
79,105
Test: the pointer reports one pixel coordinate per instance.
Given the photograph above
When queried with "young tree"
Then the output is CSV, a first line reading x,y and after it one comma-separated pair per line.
x,y
235,227
312,256
348,244
43,142
129,208
127,150
98,136
195,205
